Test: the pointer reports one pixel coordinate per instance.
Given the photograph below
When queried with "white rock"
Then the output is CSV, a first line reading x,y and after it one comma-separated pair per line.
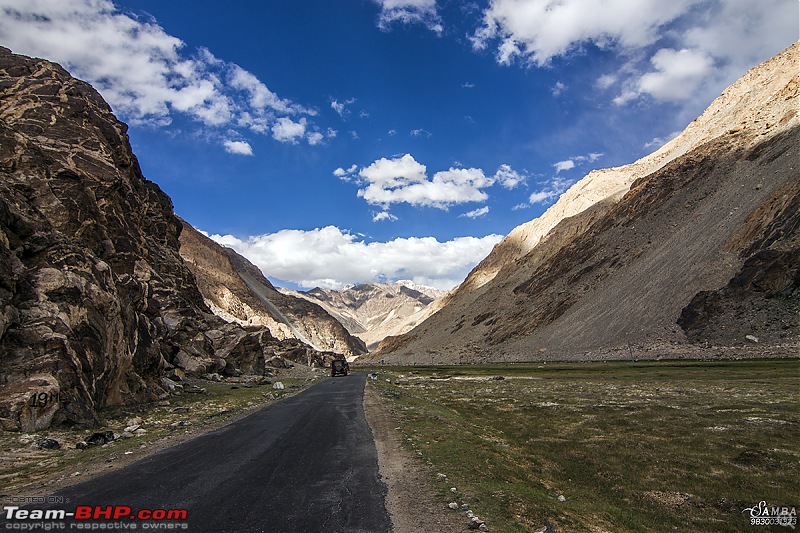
x,y
562,498
278,386
453,505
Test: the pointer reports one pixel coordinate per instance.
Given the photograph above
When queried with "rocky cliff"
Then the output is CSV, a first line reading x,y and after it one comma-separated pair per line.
x,y
374,311
236,290
690,250
96,305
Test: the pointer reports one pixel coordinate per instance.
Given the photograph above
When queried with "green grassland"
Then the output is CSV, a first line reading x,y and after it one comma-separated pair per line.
x,y
645,446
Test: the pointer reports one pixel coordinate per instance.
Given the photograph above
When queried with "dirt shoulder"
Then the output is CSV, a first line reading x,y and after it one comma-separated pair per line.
x,y
411,500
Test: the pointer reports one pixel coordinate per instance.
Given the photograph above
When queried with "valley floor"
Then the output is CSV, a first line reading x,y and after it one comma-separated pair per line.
x,y
614,446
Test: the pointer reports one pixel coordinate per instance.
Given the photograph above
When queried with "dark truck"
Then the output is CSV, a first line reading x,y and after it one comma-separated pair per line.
x,y
339,367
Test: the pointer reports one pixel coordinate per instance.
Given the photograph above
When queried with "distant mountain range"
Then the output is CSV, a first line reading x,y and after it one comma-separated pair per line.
x,y
693,250
237,291
373,311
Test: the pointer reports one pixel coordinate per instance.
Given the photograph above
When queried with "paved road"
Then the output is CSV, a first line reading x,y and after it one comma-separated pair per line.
x,y
305,464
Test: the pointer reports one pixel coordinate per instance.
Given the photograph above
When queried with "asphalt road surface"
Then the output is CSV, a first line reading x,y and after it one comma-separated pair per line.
x,y
305,464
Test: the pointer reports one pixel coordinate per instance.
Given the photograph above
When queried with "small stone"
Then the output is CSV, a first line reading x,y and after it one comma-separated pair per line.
x,y
453,505
439,477
464,507
562,498
483,527
278,386
752,338
49,444
453,490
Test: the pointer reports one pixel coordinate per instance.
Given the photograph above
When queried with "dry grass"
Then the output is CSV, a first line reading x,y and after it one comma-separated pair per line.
x,y
654,446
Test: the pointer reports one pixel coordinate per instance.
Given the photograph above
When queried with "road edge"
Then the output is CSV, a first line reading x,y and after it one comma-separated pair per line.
x,y
411,500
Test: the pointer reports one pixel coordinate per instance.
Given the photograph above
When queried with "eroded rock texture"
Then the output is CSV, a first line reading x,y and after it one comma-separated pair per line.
x,y
96,304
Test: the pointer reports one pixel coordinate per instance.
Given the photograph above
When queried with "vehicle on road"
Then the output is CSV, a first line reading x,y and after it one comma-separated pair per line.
x,y
339,367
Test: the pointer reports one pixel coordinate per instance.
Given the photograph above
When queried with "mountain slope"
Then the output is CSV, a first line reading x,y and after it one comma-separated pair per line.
x,y
373,311
96,305
606,271
237,290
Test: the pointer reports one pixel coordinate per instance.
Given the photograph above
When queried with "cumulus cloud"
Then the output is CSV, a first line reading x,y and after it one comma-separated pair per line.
x,y
569,164
422,12
238,147
403,179
147,75
508,177
287,130
383,215
332,258
676,74
476,213
678,51
314,138
550,190
572,162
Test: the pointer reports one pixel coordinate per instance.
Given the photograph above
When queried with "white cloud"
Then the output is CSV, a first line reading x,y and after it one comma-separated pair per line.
x,y
384,215
558,88
420,133
238,147
332,258
658,142
314,138
677,73
147,75
476,213
341,107
508,177
680,51
536,31
404,180
338,107
550,191
569,164
409,12
605,81
287,130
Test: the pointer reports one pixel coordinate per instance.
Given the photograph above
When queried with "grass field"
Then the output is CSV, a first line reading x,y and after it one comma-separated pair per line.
x,y
647,446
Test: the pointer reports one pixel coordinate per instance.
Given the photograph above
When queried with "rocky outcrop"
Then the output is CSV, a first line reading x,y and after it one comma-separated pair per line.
x,y
236,290
374,311
96,305
653,259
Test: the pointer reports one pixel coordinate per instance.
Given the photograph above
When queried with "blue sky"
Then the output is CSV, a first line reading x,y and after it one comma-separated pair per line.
x,y
341,142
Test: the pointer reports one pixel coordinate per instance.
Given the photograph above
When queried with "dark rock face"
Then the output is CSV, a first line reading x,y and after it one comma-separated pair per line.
x,y
763,298
96,304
